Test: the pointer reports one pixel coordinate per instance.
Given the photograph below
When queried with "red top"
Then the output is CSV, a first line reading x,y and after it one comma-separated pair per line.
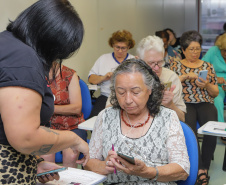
x,y
59,88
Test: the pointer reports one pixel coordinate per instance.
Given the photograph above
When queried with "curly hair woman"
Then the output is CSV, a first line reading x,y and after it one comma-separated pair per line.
x,y
121,41
138,126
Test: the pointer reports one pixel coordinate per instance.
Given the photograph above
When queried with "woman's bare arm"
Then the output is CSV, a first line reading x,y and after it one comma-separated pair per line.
x,y
21,118
97,79
75,106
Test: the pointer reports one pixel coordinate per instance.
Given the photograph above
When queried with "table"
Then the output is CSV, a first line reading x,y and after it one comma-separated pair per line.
x,y
77,176
92,89
200,131
88,124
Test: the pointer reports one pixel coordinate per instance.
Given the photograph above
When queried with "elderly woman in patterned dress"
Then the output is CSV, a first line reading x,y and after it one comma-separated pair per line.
x,y
198,95
139,127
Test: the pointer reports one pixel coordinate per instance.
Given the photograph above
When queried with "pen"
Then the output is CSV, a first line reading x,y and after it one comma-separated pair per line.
x,y
222,129
113,149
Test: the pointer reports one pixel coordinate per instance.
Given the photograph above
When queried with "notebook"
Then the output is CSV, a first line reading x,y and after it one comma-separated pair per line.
x,y
74,176
213,128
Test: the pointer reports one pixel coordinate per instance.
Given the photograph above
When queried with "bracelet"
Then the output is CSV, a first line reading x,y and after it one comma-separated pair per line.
x,y
40,160
157,174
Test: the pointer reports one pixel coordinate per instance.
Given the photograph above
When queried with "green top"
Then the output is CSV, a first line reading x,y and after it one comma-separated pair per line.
x,y
214,57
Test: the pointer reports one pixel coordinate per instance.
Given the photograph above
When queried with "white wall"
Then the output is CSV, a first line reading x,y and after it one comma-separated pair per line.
x,y
103,17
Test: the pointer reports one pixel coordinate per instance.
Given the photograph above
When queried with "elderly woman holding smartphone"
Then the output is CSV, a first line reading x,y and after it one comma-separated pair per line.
x,y
138,126
198,94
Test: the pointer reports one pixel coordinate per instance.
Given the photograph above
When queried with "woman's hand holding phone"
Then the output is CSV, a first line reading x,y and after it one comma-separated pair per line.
x,y
138,169
129,159
47,166
203,79
203,75
203,83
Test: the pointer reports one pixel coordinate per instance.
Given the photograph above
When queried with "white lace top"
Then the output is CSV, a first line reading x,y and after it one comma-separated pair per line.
x,y
163,143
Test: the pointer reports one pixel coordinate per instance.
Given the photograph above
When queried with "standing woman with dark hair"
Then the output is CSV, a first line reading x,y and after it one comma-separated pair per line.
x,y
198,95
47,31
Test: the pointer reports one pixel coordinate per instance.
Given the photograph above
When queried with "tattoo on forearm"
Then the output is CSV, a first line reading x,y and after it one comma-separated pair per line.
x,y
43,150
49,130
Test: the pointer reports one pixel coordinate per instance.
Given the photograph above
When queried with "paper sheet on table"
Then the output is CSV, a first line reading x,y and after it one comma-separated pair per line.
x,y
215,127
77,176
88,124
92,87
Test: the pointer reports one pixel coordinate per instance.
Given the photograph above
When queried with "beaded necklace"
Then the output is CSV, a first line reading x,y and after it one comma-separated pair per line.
x,y
135,126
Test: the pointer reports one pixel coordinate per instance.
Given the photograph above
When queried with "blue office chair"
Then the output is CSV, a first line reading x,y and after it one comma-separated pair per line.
x,y
86,110
86,99
192,147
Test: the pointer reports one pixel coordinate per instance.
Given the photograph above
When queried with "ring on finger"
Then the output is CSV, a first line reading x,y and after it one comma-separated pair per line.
x,y
107,163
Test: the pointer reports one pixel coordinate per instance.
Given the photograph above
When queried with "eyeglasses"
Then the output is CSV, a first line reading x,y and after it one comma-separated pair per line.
x,y
160,63
117,48
192,50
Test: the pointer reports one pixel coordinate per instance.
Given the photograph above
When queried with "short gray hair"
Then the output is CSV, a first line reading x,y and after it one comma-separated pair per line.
x,y
188,37
150,43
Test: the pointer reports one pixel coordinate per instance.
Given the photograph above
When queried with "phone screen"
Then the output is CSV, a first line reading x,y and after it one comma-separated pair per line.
x,y
52,171
127,158
203,74
167,85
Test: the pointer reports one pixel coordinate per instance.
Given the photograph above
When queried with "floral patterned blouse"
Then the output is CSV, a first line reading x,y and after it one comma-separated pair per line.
x,y
59,88
162,144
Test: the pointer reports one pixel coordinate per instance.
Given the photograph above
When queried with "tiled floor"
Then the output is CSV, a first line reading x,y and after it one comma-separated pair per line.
x,y
217,175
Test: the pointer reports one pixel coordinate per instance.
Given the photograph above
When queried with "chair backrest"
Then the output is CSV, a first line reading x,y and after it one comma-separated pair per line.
x,y
86,110
86,99
192,147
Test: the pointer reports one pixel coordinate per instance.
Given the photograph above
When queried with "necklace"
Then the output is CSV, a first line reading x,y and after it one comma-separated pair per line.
x,y
134,126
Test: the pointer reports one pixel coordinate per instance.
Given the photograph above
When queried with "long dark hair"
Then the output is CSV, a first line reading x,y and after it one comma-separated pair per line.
x,y
51,27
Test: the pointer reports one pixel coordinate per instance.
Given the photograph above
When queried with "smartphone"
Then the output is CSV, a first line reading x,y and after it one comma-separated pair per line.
x,y
52,171
203,74
167,85
127,158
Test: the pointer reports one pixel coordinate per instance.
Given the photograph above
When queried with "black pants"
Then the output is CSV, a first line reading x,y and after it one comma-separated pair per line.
x,y
202,112
99,105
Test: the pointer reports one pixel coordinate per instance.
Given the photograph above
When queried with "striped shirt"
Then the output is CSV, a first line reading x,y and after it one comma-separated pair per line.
x,y
191,92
